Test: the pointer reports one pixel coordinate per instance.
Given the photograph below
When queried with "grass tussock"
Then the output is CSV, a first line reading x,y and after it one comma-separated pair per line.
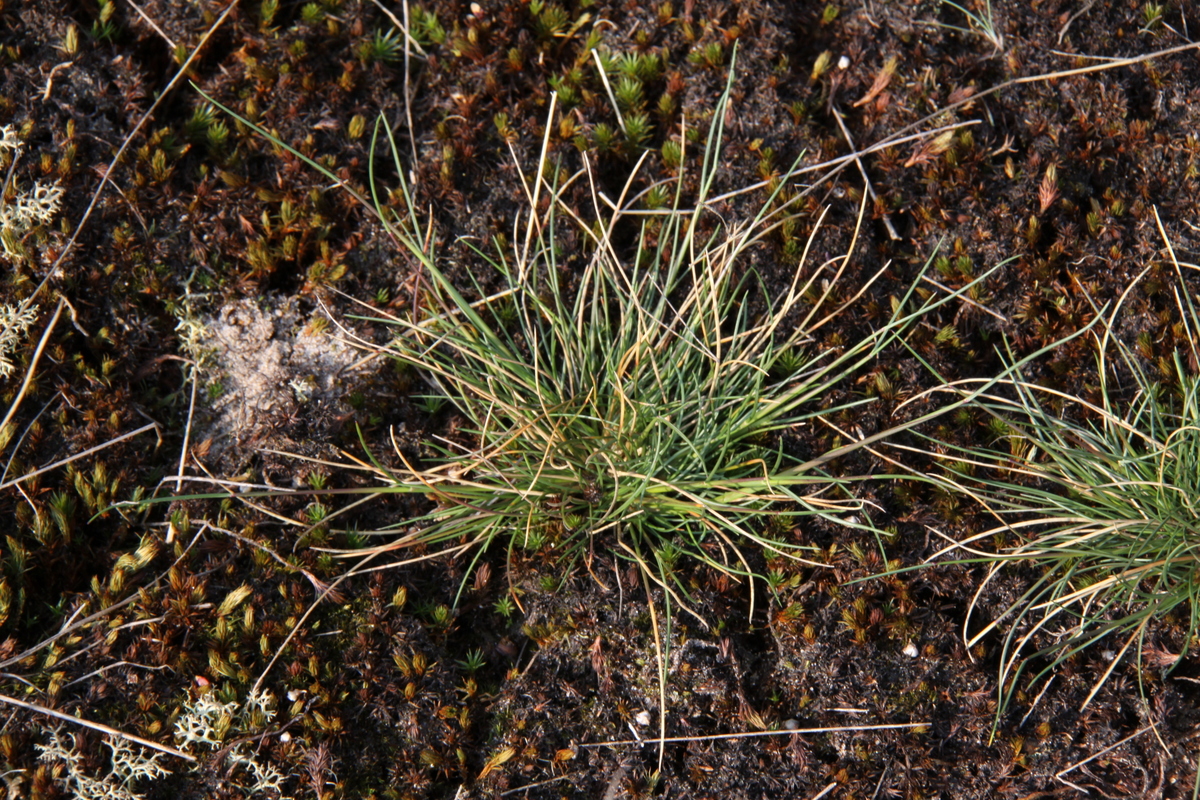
x,y
1102,497
637,397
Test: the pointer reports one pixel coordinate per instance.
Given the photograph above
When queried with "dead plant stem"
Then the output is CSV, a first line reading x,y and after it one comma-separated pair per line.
x,y
96,726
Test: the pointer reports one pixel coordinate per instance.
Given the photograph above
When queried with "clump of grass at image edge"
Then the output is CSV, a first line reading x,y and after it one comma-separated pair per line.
x,y
1104,499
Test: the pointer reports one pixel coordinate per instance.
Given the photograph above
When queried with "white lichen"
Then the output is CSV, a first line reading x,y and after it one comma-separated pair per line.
x,y
14,323
205,722
128,766
34,206
205,726
9,143
208,723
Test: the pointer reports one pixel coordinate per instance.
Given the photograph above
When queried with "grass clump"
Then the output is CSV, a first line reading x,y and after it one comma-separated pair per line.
x,y
1102,498
634,396
630,395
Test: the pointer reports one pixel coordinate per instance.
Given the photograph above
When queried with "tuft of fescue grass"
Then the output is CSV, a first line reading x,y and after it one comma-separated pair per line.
x,y
632,400
634,396
1102,498
627,397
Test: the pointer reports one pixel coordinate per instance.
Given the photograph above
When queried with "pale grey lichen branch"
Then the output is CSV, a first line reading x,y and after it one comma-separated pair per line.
x,y
208,722
37,205
14,322
128,766
205,724
34,206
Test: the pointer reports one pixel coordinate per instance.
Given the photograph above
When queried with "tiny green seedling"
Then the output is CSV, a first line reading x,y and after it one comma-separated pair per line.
x,y
982,23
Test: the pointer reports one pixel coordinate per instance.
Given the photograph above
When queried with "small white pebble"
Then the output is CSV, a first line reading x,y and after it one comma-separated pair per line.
x,y
910,650
844,62
285,737
642,718
790,724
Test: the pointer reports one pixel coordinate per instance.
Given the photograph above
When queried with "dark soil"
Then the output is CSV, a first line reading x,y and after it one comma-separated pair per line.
x,y
1057,179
